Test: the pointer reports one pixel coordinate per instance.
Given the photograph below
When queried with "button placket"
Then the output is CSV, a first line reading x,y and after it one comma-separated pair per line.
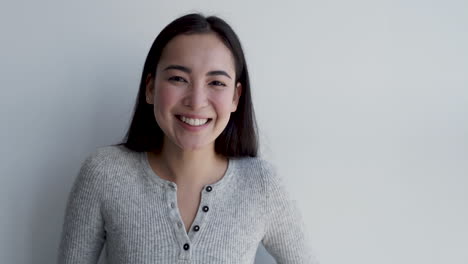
x,y
187,240
176,220
202,213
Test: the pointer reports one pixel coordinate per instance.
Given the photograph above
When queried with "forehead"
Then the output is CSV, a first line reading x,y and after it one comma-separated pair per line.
x,y
202,52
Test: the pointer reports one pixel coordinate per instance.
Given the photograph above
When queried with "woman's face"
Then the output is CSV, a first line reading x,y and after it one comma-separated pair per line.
x,y
195,79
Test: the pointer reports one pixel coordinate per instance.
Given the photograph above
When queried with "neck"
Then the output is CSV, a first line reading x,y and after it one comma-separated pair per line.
x,y
190,167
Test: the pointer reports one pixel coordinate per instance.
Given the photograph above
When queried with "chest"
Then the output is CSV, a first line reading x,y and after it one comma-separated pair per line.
x,y
232,227
188,203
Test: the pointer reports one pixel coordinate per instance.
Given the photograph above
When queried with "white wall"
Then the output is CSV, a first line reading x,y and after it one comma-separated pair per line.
x,y
363,105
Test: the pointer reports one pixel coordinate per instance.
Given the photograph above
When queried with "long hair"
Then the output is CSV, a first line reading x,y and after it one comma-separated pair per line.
x,y
240,137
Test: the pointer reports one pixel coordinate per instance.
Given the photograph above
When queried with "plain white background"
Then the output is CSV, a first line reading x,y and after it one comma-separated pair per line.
x,y
362,105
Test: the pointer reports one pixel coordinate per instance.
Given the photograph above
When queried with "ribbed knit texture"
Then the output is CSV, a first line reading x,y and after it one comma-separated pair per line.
x,y
118,201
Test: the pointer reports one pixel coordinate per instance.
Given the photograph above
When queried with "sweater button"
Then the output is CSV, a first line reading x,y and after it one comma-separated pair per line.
x,y
205,208
196,228
186,246
209,189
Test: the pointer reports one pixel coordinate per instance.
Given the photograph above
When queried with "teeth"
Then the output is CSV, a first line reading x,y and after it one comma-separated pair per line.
x,y
193,122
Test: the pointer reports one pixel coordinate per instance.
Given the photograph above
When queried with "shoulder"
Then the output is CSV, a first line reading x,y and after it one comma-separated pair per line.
x,y
111,155
258,169
258,164
106,161
267,174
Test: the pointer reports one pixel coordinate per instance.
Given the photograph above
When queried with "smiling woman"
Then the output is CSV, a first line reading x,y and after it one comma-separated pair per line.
x,y
186,184
192,90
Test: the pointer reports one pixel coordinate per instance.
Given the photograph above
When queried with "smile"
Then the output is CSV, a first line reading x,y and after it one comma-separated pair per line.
x,y
193,121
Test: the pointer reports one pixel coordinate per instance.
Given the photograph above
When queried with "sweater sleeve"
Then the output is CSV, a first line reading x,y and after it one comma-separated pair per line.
x,y
83,233
286,235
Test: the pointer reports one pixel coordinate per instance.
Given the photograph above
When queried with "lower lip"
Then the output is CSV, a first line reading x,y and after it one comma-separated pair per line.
x,y
193,128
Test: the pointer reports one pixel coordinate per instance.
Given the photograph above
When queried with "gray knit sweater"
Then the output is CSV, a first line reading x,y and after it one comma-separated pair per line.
x,y
119,201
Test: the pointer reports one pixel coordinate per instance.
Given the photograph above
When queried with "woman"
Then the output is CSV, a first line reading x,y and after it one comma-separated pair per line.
x,y
186,186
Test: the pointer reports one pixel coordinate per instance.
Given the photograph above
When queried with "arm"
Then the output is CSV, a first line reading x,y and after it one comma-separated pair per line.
x,y
286,235
83,232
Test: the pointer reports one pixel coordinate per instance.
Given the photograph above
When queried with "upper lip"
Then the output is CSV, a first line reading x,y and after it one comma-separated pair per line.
x,y
193,116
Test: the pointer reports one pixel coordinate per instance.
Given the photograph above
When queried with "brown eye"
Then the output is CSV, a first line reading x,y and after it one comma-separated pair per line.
x,y
218,83
177,79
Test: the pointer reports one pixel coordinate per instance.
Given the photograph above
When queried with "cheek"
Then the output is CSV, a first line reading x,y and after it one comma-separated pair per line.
x,y
224,102
165,97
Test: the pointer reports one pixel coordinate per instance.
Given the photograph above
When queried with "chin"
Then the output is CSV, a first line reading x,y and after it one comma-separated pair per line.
x,y
191,147
194,147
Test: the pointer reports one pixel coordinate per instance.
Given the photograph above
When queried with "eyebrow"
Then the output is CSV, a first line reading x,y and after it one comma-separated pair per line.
x,y
188,70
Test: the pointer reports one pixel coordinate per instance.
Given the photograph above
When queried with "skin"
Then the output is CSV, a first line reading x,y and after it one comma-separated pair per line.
x,y
188,158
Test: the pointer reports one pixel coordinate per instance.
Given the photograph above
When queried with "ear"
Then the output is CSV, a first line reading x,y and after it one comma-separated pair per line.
x,y
237,95
149,88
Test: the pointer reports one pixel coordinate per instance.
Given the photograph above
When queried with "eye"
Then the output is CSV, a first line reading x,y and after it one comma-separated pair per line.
x,y
177,79
218,83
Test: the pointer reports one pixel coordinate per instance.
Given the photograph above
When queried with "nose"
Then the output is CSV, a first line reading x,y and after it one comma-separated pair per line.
x,y
196,97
